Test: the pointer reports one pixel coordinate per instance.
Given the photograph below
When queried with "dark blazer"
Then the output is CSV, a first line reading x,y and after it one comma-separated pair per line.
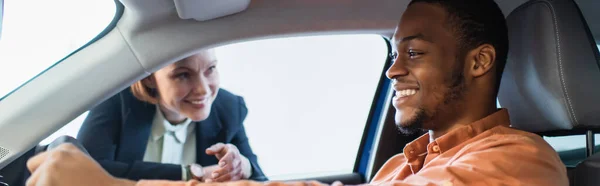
x,y
116,134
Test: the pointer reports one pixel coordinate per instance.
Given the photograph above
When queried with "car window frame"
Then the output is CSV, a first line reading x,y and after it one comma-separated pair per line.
x,y
375,119
119,9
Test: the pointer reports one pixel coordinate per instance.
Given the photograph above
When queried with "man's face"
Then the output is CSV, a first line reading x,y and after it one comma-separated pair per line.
x,y
427,74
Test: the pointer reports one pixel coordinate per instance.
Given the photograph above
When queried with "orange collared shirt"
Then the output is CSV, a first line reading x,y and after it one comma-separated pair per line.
x,y
486,152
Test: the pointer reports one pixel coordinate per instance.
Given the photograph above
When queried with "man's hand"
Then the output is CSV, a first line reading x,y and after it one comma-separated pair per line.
x,y
68,166
230,163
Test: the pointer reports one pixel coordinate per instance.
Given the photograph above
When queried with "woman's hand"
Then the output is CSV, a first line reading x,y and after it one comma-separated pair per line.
x,y
230,163
200,173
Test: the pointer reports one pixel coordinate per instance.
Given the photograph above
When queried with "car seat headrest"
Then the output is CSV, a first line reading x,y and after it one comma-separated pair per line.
x,y
551,81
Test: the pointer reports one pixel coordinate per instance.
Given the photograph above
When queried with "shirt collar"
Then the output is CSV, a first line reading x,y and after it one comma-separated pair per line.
x,y
458,135
160,126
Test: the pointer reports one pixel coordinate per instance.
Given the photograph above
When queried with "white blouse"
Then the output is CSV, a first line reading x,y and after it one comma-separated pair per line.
x,y
176,144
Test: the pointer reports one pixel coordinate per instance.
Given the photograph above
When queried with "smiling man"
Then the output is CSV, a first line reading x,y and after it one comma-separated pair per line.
x,y
448,60
449,57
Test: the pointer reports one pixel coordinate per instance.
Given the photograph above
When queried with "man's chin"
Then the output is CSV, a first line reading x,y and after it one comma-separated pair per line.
x,y
409,129
410,124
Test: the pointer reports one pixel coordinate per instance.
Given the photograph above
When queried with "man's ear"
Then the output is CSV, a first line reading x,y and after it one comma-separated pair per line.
x,y
482,60
149,82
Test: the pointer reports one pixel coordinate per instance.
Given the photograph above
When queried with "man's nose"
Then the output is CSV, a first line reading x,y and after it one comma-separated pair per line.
x,y
397,69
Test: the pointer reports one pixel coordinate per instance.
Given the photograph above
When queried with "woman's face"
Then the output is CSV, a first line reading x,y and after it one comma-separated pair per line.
x,y
187,88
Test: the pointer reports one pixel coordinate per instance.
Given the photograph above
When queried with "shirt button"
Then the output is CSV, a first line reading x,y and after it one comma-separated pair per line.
x,y
436,148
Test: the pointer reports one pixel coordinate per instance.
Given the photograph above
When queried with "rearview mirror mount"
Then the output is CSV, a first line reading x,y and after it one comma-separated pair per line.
x,y
204,10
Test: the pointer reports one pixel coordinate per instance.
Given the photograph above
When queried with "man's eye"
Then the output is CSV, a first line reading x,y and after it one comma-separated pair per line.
x,y
413,54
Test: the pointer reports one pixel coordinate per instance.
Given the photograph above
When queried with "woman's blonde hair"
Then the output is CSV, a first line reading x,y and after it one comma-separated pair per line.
x,y
144,93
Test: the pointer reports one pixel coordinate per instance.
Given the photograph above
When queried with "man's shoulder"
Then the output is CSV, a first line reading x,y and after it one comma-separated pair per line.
x,y
525,153
502,136
512,133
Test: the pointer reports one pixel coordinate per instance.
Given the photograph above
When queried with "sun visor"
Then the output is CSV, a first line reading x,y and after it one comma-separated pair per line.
x,y
203,10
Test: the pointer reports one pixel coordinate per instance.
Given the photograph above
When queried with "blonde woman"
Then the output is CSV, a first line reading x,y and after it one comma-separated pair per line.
x,y
176,124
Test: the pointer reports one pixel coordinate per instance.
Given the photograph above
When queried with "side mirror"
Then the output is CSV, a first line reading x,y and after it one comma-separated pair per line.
x,y
1,16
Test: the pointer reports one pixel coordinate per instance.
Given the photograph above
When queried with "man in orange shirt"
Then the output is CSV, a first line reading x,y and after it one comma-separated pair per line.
x,y
448,60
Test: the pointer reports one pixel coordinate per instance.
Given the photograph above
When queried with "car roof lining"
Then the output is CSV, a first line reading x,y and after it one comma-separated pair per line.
x,y
263,19
150,25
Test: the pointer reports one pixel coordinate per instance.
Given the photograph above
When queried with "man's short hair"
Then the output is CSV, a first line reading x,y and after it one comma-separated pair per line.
x,y
477,22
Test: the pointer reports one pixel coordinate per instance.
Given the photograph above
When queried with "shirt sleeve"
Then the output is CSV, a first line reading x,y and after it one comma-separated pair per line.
x,y
184,175
246,167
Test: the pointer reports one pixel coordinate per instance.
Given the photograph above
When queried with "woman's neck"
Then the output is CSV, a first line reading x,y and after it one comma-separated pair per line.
x,y
173,118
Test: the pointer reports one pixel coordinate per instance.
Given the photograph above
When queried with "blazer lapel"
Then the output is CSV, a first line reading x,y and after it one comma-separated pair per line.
x,y
208,132
136,131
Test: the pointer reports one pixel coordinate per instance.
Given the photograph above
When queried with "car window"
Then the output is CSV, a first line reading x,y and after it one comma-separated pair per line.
x,y
308,99
36,34
572,149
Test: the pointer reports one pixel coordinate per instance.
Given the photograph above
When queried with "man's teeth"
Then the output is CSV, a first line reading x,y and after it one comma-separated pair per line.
x,y
404,93
196,102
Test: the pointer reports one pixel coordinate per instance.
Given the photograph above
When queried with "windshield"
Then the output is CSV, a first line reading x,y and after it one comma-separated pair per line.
x,y
36,34
275,110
